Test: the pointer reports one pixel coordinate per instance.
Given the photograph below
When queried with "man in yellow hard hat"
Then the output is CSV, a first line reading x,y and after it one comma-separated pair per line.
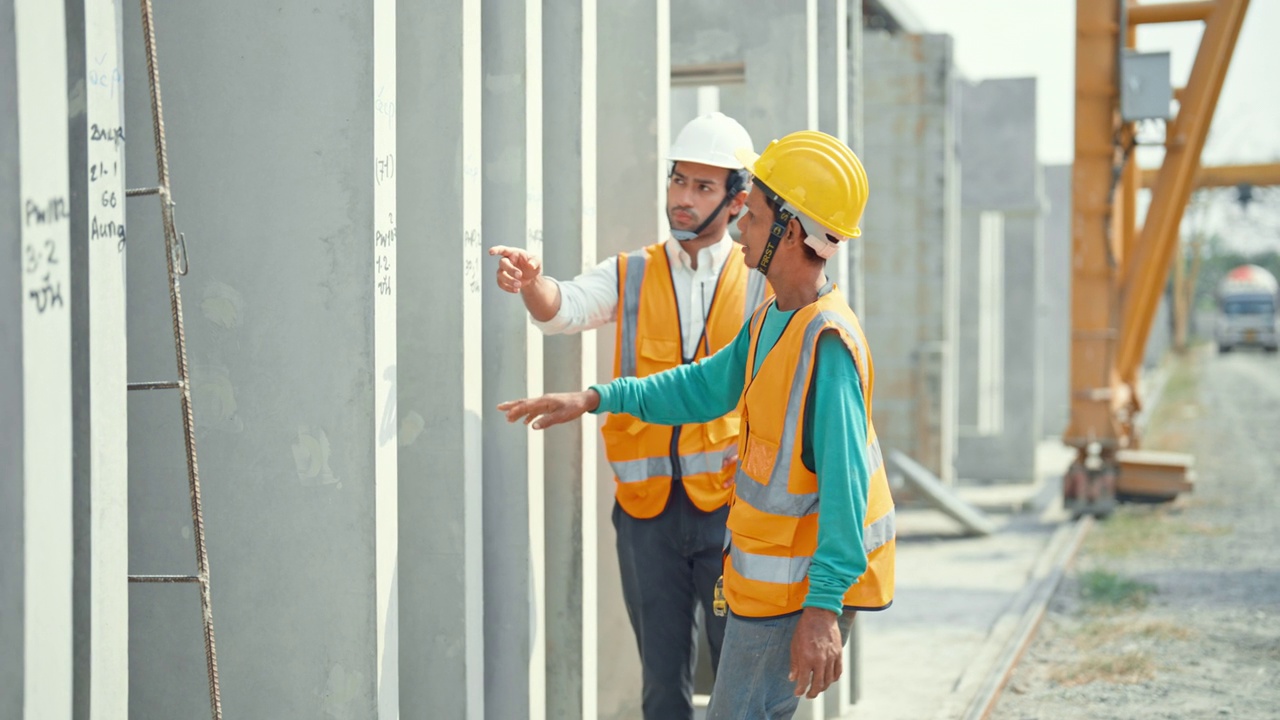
x,y
674,302
811,526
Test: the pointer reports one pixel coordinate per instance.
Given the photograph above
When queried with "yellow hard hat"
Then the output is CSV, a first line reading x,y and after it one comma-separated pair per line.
x,y
817,175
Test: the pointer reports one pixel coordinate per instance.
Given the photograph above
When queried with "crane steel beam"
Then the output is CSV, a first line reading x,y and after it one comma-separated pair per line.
x,y
1146,272
1225,175
1171,12
1093,278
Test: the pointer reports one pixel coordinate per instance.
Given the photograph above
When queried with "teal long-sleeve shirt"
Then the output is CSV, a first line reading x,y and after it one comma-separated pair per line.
x,y
834,441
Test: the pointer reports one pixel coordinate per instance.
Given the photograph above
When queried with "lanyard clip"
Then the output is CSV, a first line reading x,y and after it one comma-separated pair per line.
x,y
719,605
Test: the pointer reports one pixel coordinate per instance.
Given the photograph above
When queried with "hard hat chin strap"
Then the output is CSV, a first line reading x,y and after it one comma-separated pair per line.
x,y
779,230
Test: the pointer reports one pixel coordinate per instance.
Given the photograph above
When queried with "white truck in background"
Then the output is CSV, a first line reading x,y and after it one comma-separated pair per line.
x,y
1247,310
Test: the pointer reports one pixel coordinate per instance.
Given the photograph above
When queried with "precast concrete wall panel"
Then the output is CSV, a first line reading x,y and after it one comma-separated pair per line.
x,y
280,125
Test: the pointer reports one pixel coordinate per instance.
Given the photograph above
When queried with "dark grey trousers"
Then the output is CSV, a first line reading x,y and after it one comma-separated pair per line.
x,y
669,565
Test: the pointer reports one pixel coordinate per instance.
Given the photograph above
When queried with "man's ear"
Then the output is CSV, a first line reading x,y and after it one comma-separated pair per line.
x,y
738,202
795,231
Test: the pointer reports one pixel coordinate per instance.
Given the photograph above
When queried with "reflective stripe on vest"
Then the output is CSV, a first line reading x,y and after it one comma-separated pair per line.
x,y
629,471
775,497
629,314
775,569
773,523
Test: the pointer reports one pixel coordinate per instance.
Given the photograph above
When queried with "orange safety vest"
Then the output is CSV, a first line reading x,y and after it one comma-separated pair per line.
x,y
649,341
773,522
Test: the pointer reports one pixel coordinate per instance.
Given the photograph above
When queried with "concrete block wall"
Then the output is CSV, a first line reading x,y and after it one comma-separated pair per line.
x,y
1001,265
911,242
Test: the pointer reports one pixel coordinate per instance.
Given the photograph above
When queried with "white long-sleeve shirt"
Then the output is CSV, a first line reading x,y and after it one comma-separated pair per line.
x,y
591,299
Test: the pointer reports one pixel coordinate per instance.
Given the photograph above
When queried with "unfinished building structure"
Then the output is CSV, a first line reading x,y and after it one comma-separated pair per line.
x,y
379,540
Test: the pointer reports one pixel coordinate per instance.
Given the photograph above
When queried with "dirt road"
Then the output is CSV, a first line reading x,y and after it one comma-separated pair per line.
x,y
1174,611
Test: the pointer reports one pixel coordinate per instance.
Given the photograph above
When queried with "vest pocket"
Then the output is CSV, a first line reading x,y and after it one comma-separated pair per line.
x,y
661,354
766,576
758,457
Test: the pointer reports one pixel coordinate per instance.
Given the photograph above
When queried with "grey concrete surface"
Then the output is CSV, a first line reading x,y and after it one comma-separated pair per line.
x,y
514,545
572,485
275,178
441,262
911,242
633,76
1002,213
1056,301
855,276
956,606
12,430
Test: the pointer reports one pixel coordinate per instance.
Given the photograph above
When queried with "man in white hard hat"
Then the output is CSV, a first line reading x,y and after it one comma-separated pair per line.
x,y
674,302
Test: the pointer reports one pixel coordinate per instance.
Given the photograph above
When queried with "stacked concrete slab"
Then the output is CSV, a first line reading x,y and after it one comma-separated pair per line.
x,y
1001,264
911,242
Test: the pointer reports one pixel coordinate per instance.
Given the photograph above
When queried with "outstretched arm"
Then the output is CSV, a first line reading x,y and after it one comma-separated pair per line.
x,y
686,394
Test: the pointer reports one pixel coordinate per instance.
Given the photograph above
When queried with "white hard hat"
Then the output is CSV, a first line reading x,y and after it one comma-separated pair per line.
x,y
711,139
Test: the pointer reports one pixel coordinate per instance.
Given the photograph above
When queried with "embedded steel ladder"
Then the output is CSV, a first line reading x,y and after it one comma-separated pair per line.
x,y
176,261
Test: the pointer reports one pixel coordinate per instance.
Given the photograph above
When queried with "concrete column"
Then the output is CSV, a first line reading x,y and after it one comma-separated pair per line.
x,y
633,81
832,20
1056,299
440,402
572,482
911,242
781,90
286,196
514,551
101,456
857,140
1002,235
36,551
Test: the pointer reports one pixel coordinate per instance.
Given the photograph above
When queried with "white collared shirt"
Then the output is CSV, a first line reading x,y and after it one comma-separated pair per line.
x,y
591,299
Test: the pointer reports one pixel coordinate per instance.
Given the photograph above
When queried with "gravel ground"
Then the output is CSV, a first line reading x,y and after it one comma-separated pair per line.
x,y
1174,611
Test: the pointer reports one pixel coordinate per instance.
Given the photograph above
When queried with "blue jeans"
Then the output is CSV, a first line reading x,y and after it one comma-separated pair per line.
x,y
669,566
752,682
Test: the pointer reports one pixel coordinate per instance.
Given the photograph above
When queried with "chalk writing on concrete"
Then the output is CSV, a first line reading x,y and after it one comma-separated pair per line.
x,y
48,212
384,168
43,261
108,79
384,240
471,261
98,133
385,105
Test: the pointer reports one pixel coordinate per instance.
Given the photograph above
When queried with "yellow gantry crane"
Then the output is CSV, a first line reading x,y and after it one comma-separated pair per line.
x,y
1119,269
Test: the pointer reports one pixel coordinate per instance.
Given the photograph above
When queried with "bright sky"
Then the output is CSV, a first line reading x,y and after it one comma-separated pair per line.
x,y
1036,38
1022,38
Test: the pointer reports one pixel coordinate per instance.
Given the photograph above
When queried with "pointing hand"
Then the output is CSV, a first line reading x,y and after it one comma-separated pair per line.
x,y
551,409
516,268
